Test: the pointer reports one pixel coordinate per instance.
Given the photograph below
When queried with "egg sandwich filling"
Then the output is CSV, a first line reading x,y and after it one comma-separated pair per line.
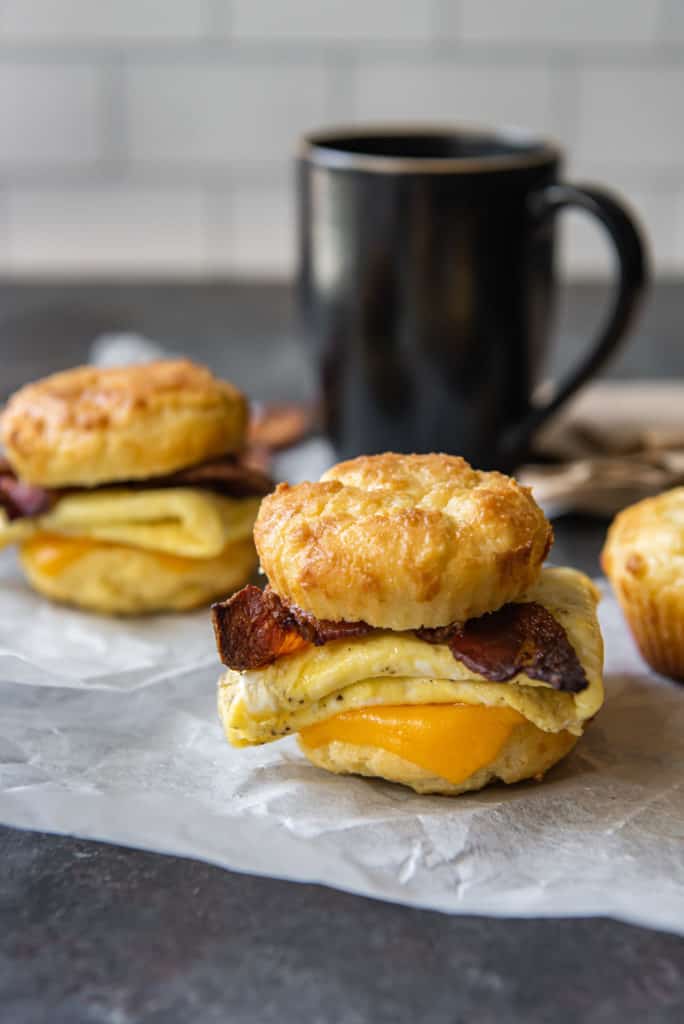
x,y
445,699
183,521
135,547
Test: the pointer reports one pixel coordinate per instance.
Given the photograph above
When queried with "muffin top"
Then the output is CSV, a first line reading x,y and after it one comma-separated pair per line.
x,y
90,426
645,542
402,541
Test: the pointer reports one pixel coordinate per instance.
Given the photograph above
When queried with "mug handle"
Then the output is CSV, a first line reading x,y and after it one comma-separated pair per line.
x,y
632,277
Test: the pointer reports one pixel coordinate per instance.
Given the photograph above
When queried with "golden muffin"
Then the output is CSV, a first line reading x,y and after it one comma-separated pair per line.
x,y
442,705
643,558
402,541
125,488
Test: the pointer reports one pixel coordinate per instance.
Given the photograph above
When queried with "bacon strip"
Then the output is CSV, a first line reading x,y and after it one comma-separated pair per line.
x,y
19,499
228,476
516,638
254,628
322,631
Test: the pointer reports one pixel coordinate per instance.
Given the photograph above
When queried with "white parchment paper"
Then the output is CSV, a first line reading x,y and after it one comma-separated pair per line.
x,y
108,729
49,645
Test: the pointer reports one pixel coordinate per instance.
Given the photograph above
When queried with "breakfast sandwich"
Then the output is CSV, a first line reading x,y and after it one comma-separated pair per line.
x,y
126,489
408,630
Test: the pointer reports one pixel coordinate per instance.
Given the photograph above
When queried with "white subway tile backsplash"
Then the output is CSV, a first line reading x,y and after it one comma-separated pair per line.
x,y
560,22
631,116
344,20
252,231
50,114
672,21
100,230
80,21
205,114
678,208
512,96
4,246
180,117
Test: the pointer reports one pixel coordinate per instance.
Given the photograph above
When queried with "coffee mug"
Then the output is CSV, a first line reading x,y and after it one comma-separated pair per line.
x,y
427,286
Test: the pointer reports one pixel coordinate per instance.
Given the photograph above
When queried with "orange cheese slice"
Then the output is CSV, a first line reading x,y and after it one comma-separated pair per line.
x,y
449,740
52,553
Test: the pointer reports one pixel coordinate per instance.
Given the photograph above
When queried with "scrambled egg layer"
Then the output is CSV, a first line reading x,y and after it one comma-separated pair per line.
x,y
388,668
184,521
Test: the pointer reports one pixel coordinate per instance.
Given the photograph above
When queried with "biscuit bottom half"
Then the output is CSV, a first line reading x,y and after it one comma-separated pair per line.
x,y
124,580
446,749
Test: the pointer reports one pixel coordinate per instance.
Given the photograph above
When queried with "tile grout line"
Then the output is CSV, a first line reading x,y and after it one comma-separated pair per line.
x,y
447,21
302,49
113,121
218,19
564,100
213,239
340,105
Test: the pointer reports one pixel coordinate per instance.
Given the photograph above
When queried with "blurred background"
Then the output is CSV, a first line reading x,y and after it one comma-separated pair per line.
x,y
155,137
146,165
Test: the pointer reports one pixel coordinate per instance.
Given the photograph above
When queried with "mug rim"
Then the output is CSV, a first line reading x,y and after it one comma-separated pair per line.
x,y
317,147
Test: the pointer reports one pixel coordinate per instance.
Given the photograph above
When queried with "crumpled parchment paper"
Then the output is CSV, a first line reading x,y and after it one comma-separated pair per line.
x,y
49,645
116,737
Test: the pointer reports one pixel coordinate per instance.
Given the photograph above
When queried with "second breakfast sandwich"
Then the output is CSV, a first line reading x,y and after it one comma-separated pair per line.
x,y
408,630
125,488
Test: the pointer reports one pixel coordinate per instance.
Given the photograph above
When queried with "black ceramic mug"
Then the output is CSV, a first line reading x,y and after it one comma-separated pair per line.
x,y
427,284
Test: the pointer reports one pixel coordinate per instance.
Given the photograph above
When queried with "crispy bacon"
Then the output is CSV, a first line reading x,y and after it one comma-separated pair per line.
x,y
254,628
19,499
516,638
322,631
230,476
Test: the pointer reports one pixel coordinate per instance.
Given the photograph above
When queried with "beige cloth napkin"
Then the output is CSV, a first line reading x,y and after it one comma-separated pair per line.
x,y
612,445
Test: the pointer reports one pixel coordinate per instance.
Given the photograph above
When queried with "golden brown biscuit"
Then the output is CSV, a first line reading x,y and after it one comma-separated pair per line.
x,y
527,754
89,426
644,559
402,541
122,580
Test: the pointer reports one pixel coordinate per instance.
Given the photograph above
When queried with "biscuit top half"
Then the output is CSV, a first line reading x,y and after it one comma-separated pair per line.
x,y
402,541
90,426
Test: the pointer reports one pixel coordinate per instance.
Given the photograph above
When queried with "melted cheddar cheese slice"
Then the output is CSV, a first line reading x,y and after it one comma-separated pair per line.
x,y
182,521
385,669
52,554
452,741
